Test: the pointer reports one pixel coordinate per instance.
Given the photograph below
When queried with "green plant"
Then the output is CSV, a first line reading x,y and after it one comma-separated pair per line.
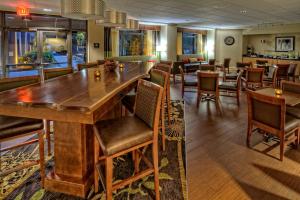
x,y
80,37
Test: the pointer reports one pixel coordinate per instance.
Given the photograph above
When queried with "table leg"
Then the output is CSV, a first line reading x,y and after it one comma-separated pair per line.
x,y
73,161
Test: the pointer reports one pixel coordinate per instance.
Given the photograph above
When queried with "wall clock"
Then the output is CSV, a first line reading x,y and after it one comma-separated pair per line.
x,y
229,40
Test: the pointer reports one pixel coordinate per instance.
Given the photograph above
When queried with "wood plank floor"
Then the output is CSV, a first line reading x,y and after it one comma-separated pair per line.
x,y
219,164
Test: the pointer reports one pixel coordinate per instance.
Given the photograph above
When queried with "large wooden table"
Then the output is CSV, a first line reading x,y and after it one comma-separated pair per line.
x,y
291,99
74,102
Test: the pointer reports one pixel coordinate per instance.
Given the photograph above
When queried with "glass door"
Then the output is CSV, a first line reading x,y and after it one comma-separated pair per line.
x,y
54,49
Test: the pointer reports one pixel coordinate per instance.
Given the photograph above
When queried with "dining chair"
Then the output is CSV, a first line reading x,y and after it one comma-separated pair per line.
x,y
225,65
190,82
207,88
271,81
254,78
292,72
114,138
56,72
268,114
166,68
212,61
207,67
160,78
288,86
87,65
234,75
13,128
282,72
232,87
175,69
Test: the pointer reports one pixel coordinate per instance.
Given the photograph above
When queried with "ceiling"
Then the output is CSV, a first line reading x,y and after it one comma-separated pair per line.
x,y
191,13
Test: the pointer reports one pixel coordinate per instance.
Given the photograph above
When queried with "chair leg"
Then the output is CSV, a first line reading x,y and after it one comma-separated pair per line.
x,y
42,157
136,162
238,97
249,132
96,160
169,105
48,137
281,147
156,169
198,99
163,129
109,177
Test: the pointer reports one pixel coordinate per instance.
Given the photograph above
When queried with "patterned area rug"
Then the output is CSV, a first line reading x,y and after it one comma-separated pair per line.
x,y
25,184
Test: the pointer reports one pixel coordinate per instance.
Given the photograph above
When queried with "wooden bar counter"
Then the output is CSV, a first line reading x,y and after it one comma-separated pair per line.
x,y
74,102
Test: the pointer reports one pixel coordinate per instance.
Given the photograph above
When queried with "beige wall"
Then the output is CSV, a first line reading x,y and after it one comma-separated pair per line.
x,y
224,51
268,47
168,41
95,35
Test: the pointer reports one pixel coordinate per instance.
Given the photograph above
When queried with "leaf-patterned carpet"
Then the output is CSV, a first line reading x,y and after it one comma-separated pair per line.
x,y
25,184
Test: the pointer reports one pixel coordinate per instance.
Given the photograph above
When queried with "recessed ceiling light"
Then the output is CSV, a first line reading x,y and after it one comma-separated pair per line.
x,y
243,11
47,10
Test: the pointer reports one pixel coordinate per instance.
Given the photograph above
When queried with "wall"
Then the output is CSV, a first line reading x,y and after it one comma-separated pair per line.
x,y
268,47
210,44
168,42
95,35
224,51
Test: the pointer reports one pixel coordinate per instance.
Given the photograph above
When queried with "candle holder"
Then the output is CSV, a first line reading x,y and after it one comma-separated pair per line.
x,y
97,73
278,92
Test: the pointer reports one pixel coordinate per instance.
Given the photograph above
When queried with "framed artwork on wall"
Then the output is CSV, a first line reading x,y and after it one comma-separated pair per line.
x,y
285,44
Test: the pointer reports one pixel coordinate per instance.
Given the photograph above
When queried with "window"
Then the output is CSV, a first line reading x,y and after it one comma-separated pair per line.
x,y
78,47
189,43
131,42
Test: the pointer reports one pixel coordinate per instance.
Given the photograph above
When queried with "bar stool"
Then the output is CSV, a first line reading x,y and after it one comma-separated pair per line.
x,y
129,134
158,77
166,68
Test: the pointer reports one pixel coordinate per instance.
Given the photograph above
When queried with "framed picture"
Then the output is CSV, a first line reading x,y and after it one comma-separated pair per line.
x,y
285,44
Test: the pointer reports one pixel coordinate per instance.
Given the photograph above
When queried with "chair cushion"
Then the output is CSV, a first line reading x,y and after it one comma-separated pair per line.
x,y
13,126
228,86
128,101
293,111
121,134
232,76
291,123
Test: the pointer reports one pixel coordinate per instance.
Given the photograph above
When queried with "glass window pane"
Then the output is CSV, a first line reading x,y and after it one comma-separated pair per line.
x,y
78,48
55,51
79,25
189,43
37,21
131,42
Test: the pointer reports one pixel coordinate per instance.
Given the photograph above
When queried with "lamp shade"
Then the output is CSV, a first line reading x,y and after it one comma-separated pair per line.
x,y
83,9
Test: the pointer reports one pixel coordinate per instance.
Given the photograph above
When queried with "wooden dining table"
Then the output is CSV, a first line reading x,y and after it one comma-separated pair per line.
x,y
291,99
74,102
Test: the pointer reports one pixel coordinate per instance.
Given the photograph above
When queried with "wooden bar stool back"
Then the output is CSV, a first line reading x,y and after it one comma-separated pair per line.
x,y
129,134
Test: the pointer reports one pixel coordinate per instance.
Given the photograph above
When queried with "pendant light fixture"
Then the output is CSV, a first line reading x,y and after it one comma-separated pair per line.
x,y
132,24
113,18
83,9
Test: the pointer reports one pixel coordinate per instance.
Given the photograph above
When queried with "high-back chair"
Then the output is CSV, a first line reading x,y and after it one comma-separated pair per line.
x,y
87,65
272,80
158,77
212,61
13,128
130,134
186,83
243,65
254,78
175,69
226,64
268,114
166,68
56,72
288,86
282,72
208,83
207,68
292,71
232,87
